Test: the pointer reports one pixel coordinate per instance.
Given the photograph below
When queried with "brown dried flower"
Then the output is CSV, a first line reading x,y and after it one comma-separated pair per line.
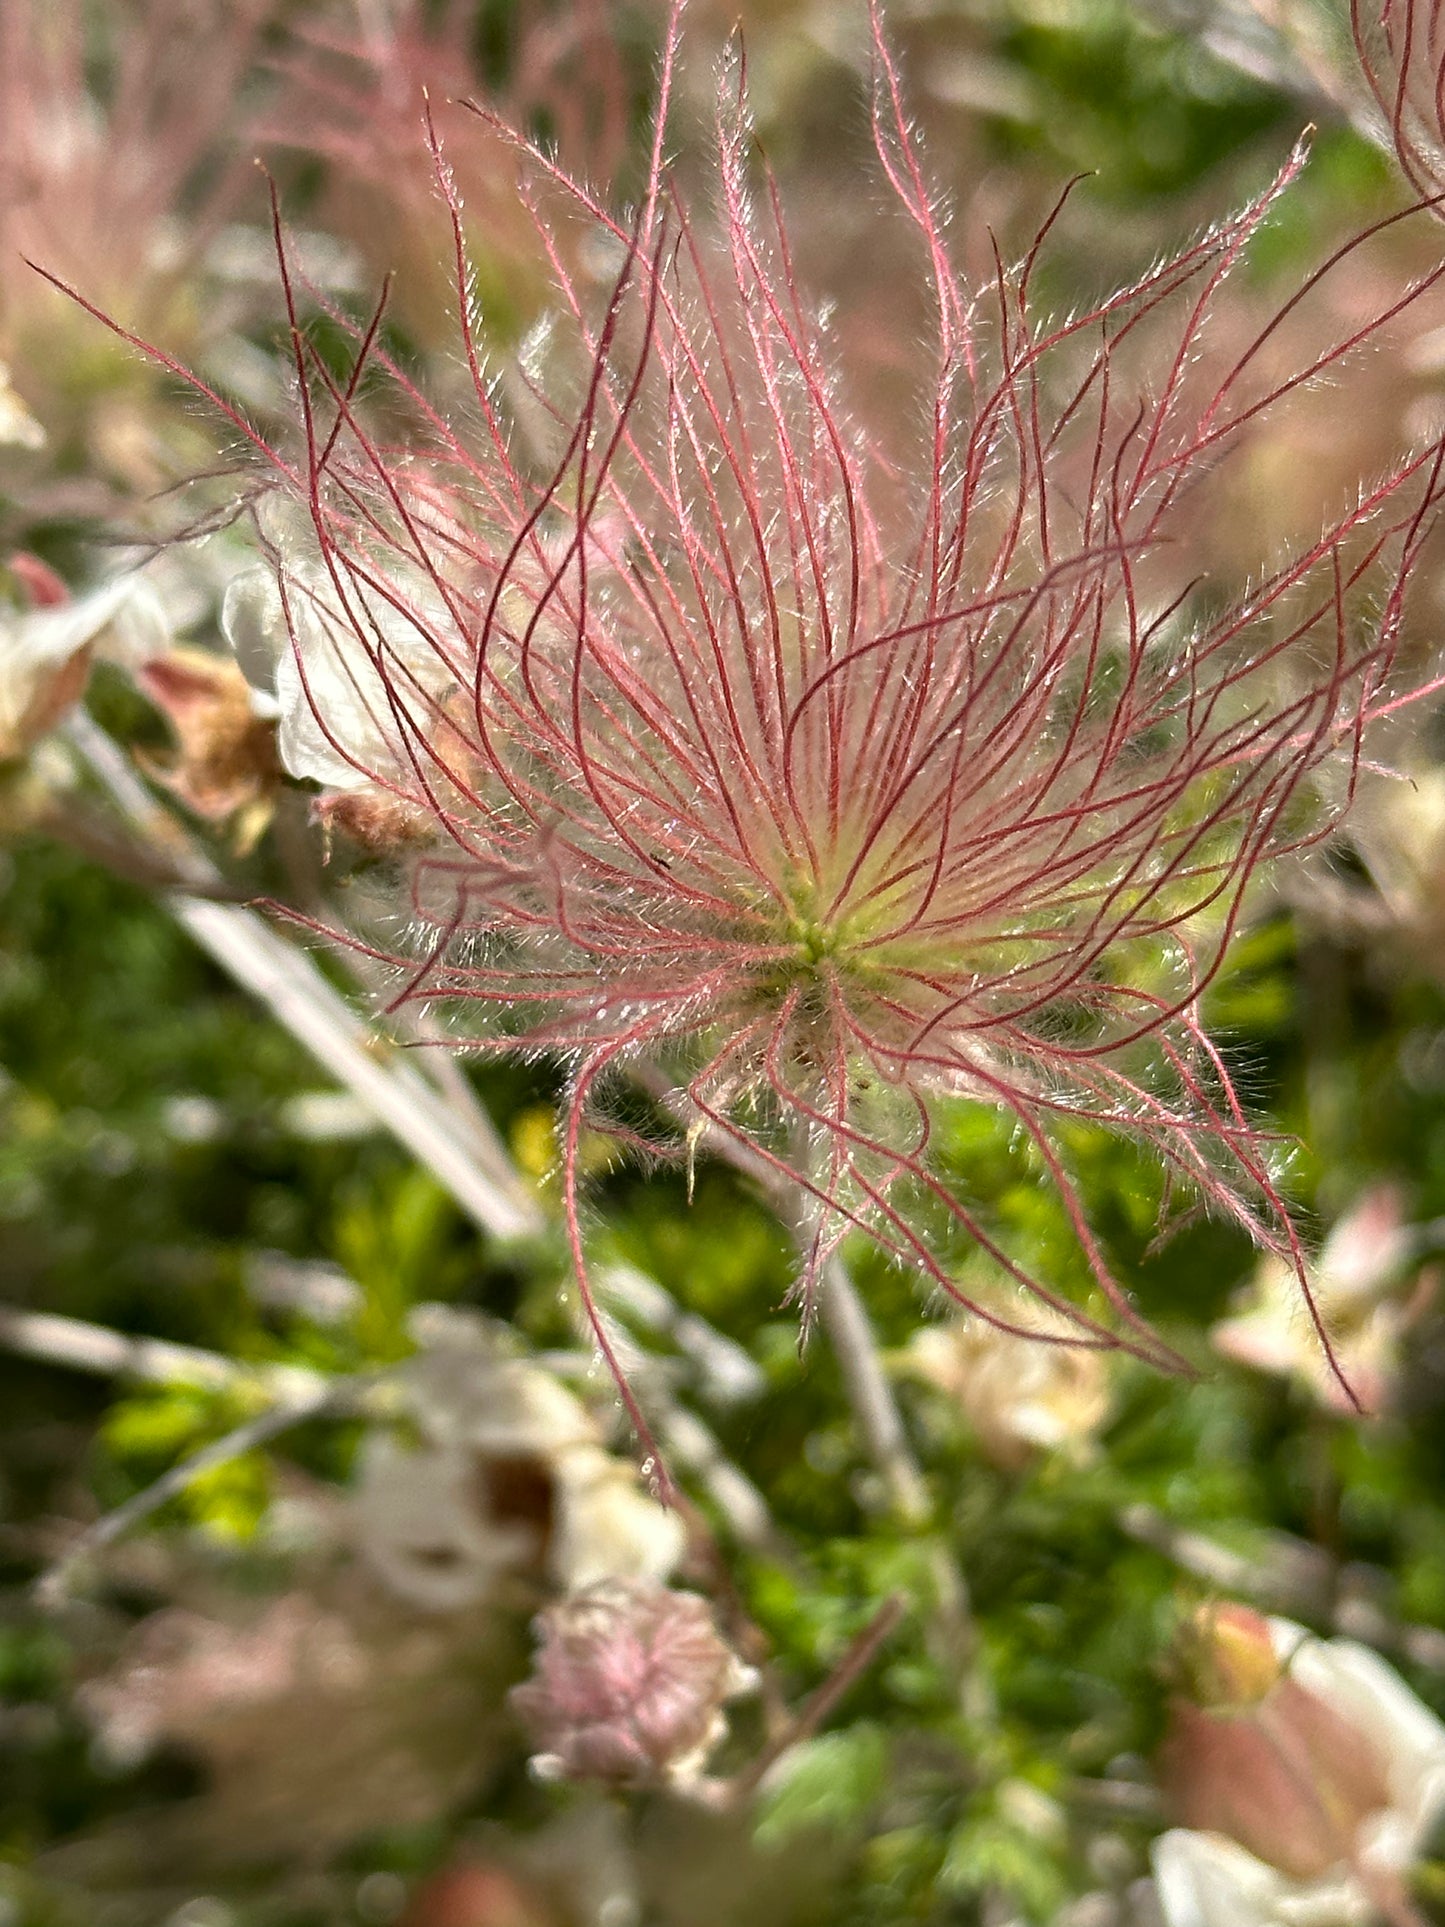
x,y
225,766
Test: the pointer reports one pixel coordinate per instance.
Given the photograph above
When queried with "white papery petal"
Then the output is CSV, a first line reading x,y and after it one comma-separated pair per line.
x,y
607,1527
1204,1880
351,683
284,653
140,627
1357,1684
463,1394
123,621
18,427
422,1524
127,607
253,622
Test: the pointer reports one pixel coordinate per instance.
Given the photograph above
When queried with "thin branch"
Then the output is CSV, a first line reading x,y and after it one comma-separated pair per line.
x,y
740,1504
338,1394
291,986
82,1347
870,1394
843,1317
693,1445
297,1392
821,1704
725,1373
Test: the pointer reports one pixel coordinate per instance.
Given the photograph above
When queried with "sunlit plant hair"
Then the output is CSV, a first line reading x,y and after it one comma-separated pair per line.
x,y
816,787
1400,47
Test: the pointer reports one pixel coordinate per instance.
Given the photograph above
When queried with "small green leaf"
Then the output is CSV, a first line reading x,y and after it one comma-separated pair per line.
x,y
832,1782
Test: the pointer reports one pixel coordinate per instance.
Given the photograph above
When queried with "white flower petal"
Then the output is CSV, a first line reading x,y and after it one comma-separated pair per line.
x,y
422,1523
353,678
122,621
607,1527
1204,1880
139,629
18,427
1360,1687
254,624
43,637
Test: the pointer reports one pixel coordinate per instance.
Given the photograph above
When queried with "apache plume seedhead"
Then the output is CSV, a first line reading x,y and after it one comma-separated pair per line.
x,y
815,786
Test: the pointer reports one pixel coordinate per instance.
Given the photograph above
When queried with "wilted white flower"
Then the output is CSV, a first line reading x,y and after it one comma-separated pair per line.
x,y
1310,1781
46,652
184,1672
503,1474
1020,1397
224,764
629,1686
316,1717
1359,1286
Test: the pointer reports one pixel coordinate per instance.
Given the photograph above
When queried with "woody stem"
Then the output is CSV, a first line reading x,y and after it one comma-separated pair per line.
x,y
843,1316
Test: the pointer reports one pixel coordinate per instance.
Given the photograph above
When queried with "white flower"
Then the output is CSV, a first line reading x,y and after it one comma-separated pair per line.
x,y
1204,1879
1020,1397
503,1475
1359,1287
18,427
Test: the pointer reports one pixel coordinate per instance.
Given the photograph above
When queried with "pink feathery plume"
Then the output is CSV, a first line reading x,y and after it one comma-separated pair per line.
x,y
113,167
358,85
352,92
120,168
819,788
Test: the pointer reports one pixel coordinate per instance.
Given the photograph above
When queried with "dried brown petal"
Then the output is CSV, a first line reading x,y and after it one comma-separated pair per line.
x,y
225,759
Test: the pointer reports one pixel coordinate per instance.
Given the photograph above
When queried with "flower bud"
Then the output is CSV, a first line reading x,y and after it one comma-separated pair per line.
x,y
629,1685
1227,1657
476,1893
375,820
1256,1756
41,587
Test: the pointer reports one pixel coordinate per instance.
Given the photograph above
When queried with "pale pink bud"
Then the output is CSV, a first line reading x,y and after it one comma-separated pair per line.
x,y
476,1893
1263,1760
1226,1657
629,1685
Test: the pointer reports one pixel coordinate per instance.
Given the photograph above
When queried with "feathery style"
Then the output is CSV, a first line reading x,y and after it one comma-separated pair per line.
x,y
816,784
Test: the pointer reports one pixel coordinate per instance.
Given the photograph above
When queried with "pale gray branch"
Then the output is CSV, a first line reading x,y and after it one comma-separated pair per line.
x,y
458,1147
82,1347
330,1395
1288,1575
842,1315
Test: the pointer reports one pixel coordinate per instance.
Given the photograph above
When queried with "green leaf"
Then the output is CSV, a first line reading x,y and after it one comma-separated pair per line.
x,y
832,1782
994,1853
